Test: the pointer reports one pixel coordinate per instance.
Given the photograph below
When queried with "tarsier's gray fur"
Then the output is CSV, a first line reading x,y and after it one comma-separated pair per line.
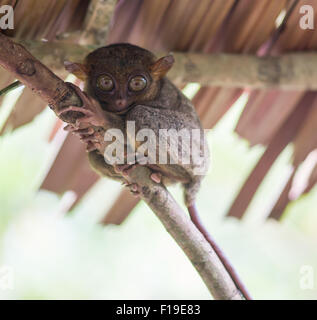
x,y
167,108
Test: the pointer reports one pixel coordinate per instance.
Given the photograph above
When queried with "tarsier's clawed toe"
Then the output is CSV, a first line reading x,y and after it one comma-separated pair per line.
x,y
124,169
156,177
69,127
134,189
88,138
92,146
74,129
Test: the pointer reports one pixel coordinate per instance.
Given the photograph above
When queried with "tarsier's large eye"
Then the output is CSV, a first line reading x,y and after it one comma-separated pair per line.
x,y
137,83
104,82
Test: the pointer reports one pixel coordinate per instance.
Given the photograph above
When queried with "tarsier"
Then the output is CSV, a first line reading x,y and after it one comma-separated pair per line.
x,y
129,84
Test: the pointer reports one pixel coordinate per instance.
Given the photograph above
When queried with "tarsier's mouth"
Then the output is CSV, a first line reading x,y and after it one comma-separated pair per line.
x,y
125,110
115,109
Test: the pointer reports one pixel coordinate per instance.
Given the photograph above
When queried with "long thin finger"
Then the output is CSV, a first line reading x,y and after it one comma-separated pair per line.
x,y
75,109
85,131
69,127
88,138
90,147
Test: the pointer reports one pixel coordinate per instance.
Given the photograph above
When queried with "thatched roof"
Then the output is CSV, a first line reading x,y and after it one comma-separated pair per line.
x,y
271,117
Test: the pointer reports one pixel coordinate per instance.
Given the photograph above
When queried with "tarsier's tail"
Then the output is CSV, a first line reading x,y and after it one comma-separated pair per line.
x,y
191,189
234,276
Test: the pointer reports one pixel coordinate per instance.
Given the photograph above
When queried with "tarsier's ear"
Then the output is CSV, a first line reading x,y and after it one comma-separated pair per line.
x,y
161,66
78,69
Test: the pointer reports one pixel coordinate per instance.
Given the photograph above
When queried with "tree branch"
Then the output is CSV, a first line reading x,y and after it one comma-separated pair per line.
x,y
295,71
59,95
96,25
36,76
187,236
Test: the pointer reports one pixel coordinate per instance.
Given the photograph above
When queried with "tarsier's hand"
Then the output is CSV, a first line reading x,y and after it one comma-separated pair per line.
x,y
91,110
89,127
92,136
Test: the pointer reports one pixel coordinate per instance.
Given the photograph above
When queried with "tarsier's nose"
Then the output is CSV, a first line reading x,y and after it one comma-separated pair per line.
x,y
121,103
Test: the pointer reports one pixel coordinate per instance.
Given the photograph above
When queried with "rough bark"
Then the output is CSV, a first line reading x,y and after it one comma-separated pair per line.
x,y
36,76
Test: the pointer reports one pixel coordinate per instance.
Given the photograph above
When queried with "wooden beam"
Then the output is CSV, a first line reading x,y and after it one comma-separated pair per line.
x,y
293,71
97,22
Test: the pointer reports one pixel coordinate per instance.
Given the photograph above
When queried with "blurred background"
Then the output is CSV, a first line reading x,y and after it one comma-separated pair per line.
x,y
55,255
258,200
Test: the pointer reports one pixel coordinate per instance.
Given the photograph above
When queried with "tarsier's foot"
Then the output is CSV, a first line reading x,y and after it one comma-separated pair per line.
x,y
143,161
135,189
124,169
